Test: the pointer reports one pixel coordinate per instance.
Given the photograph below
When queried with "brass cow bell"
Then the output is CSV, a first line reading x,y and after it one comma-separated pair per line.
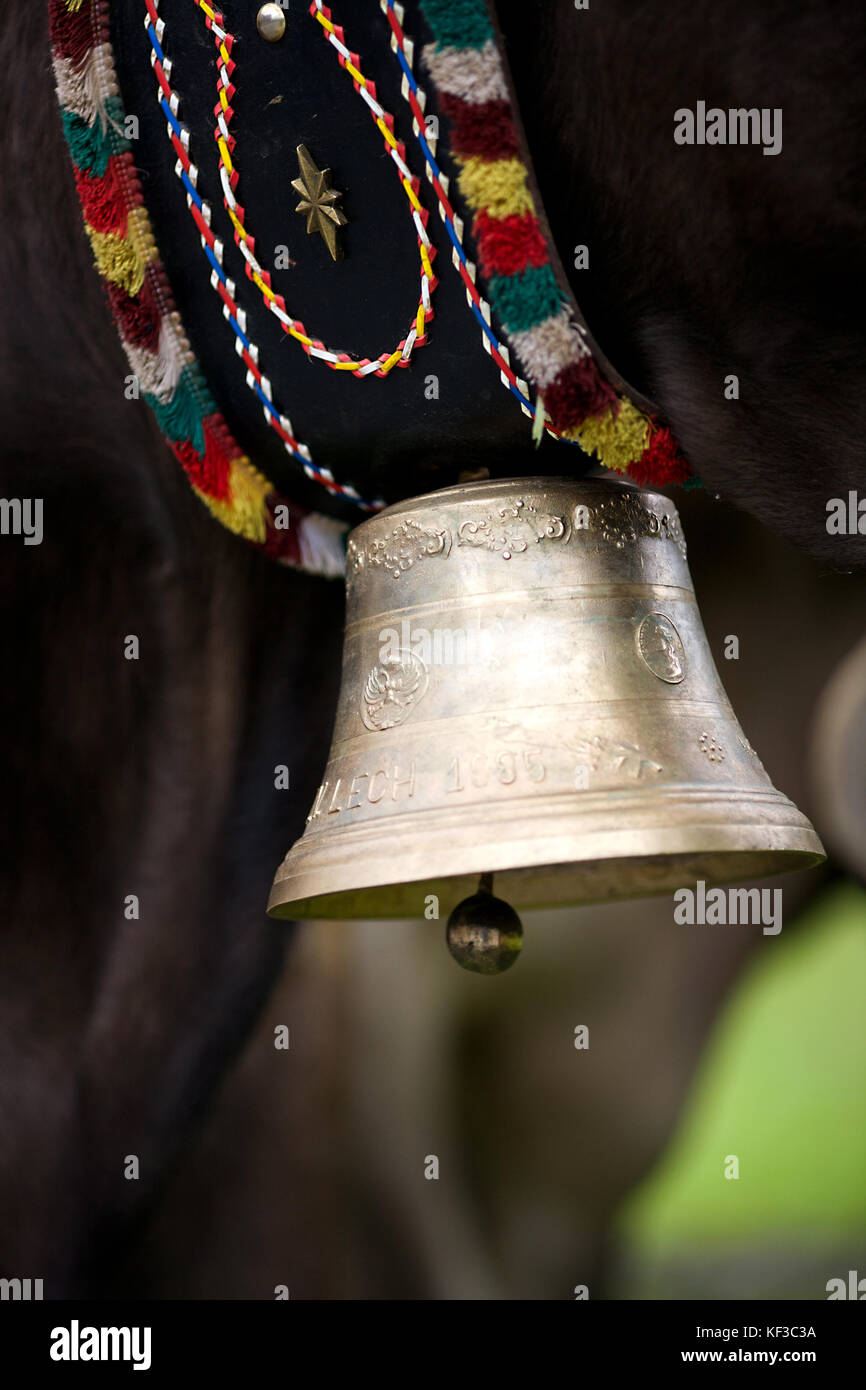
x,y
528,694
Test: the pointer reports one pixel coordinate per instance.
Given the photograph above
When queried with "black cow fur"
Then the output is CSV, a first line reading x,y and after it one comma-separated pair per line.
x,y
155,777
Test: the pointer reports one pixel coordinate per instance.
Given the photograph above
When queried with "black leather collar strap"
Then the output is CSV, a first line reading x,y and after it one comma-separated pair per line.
x,y
352,349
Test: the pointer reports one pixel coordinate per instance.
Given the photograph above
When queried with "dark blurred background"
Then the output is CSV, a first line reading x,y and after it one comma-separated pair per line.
x,y
560,1167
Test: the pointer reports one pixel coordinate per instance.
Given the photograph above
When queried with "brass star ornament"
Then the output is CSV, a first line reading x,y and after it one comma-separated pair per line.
x,y
318,201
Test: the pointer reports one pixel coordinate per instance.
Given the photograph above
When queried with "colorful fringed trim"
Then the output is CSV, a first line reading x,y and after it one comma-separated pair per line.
x,y
232,488
577,401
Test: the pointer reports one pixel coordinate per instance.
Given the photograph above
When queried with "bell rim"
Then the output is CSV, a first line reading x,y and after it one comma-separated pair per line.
x,y
349,861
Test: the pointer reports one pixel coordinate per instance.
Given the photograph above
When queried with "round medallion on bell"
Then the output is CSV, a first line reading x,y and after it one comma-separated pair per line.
x,y
271,22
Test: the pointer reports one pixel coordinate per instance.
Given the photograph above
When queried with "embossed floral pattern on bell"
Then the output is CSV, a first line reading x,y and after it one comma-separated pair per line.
x,y
511,529
398,550
580,746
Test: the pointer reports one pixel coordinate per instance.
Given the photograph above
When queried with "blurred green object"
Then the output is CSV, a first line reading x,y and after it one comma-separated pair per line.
x,y
783,1088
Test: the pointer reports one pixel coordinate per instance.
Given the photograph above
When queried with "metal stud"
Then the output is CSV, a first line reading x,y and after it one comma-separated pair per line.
x,y
271,22
318,202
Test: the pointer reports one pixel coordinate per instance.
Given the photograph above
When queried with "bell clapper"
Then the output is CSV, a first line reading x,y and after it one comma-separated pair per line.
x,y
484,934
